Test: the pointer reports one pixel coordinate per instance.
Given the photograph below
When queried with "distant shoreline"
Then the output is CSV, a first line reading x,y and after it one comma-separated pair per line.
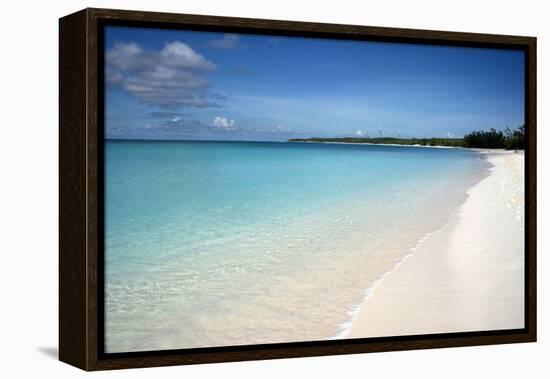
x,y
388,141
383,144
475,149
491,139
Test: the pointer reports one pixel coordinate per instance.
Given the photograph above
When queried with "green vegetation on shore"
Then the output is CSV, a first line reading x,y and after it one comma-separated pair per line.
x,y
457,142
491,139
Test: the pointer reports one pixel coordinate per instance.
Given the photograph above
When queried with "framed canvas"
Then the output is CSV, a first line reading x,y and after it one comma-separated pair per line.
x,y
239,189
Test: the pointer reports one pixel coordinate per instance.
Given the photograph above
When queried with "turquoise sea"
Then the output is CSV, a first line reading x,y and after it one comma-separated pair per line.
x,y
228,243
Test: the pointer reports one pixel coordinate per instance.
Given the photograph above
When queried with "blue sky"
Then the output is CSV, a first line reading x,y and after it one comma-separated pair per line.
x,y
166,84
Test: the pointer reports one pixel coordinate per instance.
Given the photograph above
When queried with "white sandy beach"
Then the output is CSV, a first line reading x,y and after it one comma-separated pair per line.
x,y
467,277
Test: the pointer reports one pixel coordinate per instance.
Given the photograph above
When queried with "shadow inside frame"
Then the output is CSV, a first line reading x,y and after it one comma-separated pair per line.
x,y
312,344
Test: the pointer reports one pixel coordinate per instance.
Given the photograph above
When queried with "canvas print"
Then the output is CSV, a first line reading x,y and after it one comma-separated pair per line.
x,y
265,189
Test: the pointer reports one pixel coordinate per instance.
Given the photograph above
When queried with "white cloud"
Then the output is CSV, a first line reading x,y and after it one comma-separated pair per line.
x,y
179,54
223,123
122,55
228,41
168,78
360,133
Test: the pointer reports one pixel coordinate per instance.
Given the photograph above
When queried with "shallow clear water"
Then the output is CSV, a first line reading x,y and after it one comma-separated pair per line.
x,y
224,243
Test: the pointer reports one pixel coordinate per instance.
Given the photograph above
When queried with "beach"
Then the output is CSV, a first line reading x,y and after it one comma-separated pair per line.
x,y
467,276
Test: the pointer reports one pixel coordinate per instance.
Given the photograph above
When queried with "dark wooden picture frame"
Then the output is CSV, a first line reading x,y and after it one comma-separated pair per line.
x,y
81,183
